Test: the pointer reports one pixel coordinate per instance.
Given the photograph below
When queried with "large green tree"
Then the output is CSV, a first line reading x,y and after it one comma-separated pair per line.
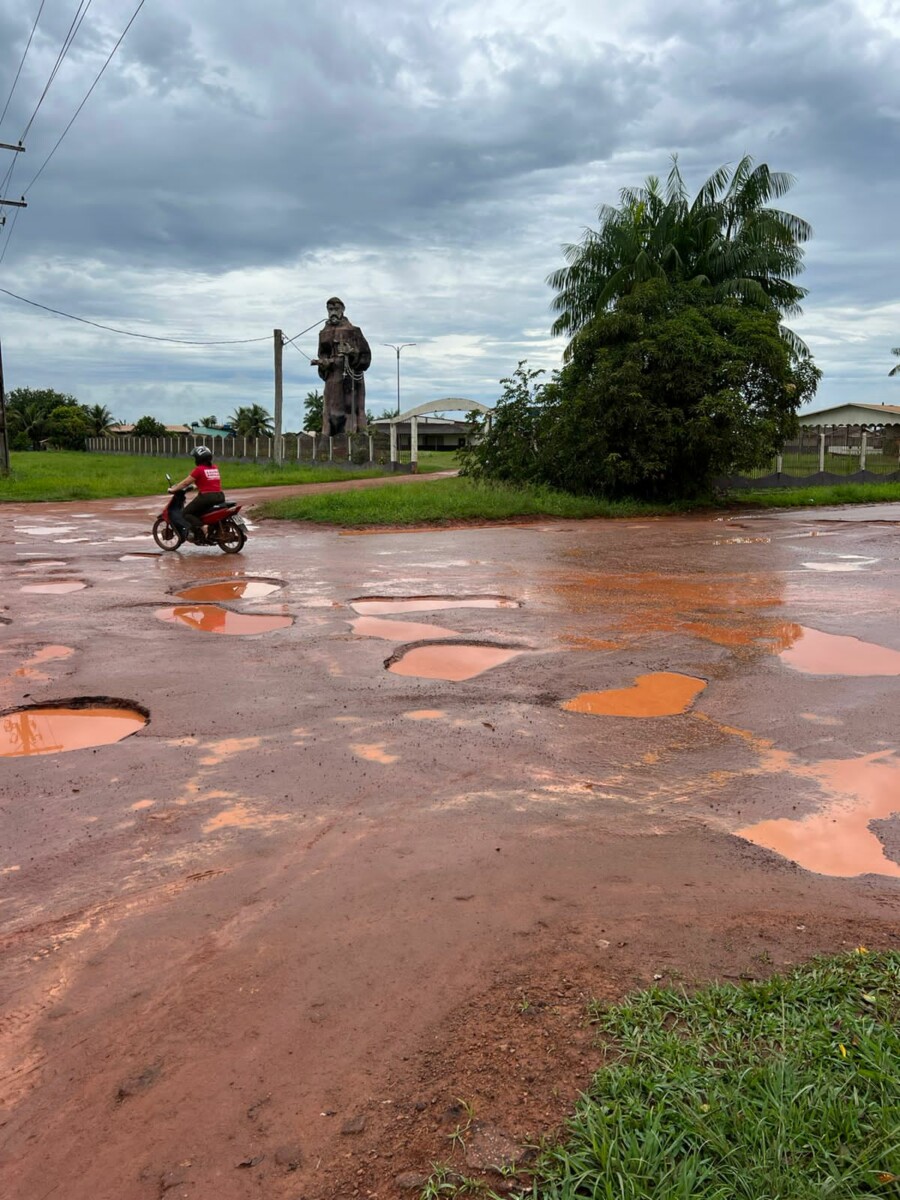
x,y
100,419
28,412
148,427
252,420
662,395
313,412
728,236
68,426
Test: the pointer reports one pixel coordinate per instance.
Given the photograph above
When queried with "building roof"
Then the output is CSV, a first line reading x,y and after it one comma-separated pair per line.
x,y
123,430
892,409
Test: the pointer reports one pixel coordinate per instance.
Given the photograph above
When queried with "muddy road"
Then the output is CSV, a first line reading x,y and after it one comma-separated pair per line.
x,y
357,822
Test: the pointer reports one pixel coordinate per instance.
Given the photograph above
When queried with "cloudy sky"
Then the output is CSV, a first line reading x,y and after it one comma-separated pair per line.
x,y
423,159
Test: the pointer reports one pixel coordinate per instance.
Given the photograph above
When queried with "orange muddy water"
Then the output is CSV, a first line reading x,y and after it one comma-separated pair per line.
x,y
54,730
210,619
453,663
661,694
383,605
232,589
399,631
818,653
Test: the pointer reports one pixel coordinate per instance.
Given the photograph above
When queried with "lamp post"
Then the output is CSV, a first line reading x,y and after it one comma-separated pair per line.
x,y
402,346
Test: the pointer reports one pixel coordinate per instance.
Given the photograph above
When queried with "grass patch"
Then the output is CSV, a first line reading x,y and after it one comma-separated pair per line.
x,y
784,1090
448,501
67,475
834,493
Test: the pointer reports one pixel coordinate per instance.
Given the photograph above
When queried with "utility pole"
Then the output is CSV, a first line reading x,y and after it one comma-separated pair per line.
x,y
279,394
397,349
4,428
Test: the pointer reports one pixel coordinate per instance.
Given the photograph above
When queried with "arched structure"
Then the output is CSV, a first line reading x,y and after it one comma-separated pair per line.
x,y
453,403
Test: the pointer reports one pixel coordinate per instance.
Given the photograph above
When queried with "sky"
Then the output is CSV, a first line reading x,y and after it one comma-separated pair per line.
x,y
425,160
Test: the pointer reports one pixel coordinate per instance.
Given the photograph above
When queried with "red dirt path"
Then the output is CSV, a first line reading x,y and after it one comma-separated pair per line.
x,y
315,909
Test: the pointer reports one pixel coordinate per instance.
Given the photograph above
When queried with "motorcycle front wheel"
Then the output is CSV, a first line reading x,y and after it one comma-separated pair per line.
x,y
231,537
166,536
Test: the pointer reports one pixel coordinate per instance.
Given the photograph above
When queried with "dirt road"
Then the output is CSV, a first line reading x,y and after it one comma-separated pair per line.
x,y
319,923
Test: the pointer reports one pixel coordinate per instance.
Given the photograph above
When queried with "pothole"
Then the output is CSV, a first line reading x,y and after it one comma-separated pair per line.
x,y
838,839
376,606
58,587
399,631
137,554
453,661
818,653
230,589
68,725
211,619
661,694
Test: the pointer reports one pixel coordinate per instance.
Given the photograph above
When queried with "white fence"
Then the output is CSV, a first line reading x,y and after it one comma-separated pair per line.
x,y
358,448
830,454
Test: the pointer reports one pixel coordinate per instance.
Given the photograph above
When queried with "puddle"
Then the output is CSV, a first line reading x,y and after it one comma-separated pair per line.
x,y
42,564
374,752
662,694
44,530
837,840
59,588
232,589
44,655
398,631
817,653
453,661
425,714
52,729
843,563
221,620
135,554
742,541
377,606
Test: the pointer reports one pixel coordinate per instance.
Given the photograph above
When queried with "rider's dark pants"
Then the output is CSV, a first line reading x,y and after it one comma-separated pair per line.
x,y
198,506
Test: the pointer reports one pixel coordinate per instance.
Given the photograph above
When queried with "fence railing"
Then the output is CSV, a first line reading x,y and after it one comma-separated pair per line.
x,y
357,449
830,454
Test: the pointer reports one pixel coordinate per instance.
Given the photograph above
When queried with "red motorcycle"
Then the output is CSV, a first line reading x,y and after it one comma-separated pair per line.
x,y
222,527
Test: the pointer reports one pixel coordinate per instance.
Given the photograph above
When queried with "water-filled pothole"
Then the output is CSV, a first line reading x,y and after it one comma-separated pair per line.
x,y
817,653
453,661
59,587
28,669
211,619
661,694
68,725
136,554
837,840
376,606
231,589
399,631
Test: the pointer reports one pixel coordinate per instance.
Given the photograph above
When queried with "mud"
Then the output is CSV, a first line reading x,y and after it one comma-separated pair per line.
x,y
661,694
315,895
210,619
450,661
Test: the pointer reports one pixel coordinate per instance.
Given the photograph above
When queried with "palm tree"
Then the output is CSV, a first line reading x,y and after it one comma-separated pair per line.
x,y
727,236
100,418
895,370
252,420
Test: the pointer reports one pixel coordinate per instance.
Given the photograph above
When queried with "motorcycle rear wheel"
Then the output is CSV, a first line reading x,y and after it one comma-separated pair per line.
x,y
231,537
166,536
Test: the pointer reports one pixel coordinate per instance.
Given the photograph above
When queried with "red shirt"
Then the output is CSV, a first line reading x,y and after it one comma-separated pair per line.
x,y
207,479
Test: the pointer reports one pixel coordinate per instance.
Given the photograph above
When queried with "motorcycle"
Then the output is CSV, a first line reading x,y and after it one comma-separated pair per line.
x,y
222,526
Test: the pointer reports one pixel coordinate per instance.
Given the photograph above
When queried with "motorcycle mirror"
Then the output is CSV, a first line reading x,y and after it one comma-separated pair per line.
x,y
168,477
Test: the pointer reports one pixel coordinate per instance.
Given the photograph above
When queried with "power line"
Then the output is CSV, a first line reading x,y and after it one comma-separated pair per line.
x,y
89,91
22,63
150,337
80,14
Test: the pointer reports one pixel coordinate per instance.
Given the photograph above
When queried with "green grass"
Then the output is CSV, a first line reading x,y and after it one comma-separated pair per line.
x,y
800,497
67,475
784,1090
446,500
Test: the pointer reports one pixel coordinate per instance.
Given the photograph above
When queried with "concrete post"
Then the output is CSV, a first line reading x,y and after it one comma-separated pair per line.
x,y
371,449
414,444
862,449
393,446
821,451
330,449
779,463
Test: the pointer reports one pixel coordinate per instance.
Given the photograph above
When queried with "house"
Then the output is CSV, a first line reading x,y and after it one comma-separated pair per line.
x,y
127,429
853,414
435,433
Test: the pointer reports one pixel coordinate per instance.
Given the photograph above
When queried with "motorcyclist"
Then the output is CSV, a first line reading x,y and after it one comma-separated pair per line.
x,y
205,478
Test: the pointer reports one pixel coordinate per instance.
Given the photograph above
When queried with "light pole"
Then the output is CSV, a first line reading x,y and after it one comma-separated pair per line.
x,y
402,346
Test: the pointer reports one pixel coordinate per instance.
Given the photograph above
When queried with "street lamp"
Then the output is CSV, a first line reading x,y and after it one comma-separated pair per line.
x,y
402,346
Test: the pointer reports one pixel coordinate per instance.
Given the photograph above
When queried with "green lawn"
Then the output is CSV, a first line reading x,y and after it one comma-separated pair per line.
x,y
784,1090
835,493
65,475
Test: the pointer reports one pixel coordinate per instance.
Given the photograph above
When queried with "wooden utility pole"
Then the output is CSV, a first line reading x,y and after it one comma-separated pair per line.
x,y
279,395
4,428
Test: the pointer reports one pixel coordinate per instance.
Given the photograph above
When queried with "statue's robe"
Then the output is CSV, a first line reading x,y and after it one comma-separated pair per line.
x,y
344,408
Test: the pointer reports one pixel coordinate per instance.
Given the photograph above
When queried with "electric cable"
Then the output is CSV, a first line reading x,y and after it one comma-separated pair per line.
x,y
80,14
150,337
22,63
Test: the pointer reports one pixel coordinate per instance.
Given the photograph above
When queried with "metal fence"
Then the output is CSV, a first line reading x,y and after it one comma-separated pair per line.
x,y
822,454
356,449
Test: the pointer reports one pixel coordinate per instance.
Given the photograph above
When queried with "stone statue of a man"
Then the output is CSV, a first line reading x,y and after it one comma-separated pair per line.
x,y
344,356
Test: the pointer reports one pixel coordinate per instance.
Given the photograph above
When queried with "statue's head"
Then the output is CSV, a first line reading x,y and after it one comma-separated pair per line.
x,y
335,307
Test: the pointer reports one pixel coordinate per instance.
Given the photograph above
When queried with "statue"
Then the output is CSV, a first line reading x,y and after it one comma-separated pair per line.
x,y
344,356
